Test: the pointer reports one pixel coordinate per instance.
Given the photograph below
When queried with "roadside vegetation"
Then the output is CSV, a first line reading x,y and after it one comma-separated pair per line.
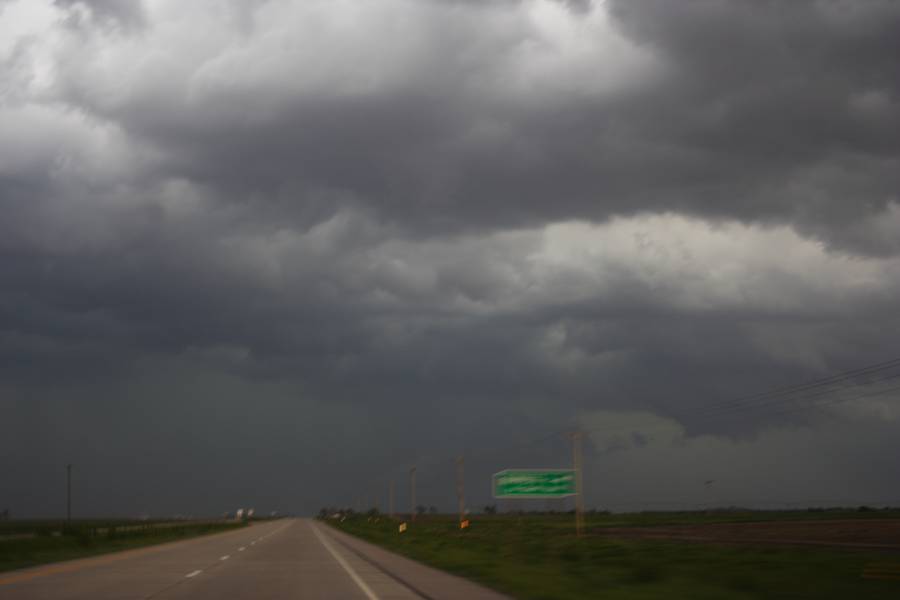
x,y
538,556
28,543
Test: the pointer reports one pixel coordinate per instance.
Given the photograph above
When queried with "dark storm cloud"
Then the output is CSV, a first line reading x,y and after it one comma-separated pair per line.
x,y
723,110
236,230
795,103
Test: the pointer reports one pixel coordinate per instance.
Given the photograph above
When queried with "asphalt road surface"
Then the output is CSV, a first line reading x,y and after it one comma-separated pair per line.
x,y
295,558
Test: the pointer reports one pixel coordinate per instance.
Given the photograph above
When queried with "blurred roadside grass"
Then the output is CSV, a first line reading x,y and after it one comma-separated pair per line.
x,y
539,557
53,541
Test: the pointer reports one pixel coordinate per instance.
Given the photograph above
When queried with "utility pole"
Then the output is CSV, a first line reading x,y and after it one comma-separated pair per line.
x,y
579,492
412,494
461,487
391,499
68,493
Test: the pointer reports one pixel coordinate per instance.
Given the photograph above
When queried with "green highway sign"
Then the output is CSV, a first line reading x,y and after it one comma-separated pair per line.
x,y
534,483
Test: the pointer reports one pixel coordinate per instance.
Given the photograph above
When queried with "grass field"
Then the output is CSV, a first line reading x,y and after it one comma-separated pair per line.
x,y
29,543
539,557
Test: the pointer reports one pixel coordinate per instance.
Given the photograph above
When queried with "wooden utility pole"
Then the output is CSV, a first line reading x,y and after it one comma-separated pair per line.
x,y
579,492
412,494
461,487
391,499
68,493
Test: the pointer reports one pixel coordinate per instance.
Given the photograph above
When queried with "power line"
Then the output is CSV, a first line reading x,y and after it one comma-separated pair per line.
x,y
816,383
786,410
773,401
817,391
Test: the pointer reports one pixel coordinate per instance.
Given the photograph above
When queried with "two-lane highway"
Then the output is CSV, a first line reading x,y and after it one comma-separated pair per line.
x,y
295,558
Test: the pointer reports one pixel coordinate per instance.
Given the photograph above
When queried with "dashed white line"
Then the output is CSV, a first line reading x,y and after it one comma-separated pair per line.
x,y
242,548
193,573
226,557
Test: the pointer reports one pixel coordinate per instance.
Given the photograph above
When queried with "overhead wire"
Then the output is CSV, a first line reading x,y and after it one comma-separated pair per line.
x,y
817,391
809,385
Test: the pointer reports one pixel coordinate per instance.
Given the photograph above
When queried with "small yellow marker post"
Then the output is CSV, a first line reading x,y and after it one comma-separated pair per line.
x,y
402,527
464,524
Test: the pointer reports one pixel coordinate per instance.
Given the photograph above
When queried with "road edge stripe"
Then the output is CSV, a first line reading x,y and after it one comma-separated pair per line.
x,y
356,578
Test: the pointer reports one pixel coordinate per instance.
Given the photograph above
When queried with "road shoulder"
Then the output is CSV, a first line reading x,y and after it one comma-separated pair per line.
x,y
427,582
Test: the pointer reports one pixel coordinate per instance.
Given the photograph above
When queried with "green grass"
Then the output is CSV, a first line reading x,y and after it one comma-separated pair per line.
x,y
53,541
539,557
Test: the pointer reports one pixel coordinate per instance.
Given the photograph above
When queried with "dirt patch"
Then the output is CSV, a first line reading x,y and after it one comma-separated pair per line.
x,y
868,533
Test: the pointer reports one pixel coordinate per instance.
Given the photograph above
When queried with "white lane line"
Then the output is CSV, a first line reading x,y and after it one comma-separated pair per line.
x,y
226,557
242,548
193,573
356,578
262,537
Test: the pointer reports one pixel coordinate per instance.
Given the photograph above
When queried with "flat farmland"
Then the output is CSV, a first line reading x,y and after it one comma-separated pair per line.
x,y
740,555
25,543
849,533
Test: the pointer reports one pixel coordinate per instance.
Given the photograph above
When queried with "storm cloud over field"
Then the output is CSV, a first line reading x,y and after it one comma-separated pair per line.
x,y
276,252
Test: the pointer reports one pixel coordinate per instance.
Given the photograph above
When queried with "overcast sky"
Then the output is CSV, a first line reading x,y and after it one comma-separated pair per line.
x,y
270,253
